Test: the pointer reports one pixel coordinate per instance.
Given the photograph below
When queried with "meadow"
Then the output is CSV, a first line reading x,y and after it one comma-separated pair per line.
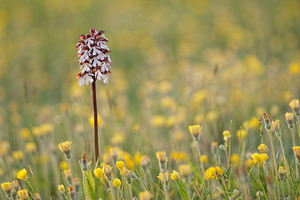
x,y
201,100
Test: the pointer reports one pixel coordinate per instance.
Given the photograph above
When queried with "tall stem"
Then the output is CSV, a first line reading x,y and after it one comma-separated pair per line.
x,y
96,145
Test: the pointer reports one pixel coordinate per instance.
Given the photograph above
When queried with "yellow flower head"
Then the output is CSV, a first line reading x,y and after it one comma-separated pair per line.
x,y
25,133
30,147
91,120
22,174
137,158
185,170
204,159
146,195
175,175
159,120
99,173
294,104
164,177
178,156
125,172
64,165
23,194
117,182
68,174
6,186
249,163
253,123
161,156
241,134
294,68
263,148
219,171
61,189
4,147
65,147
120,165
226,135
297,151
281,170
18,155
210,173
42,130
117,139
260,158
195,130
235,158
289,118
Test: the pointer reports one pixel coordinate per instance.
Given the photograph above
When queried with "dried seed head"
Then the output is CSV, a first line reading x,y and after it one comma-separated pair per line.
x,y
267,121
83,162
276,128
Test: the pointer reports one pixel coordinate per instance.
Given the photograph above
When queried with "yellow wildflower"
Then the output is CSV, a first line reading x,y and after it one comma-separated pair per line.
x,y
219,171
65,147
164,177
294,68
120,165
210,173
168,103
99,173
241,134
295,105
204,159
61,189
64,165
42,130
91,120
117,139
289,117
175,175
234,158
22,174
116,182
4,147
18,155
249,163
146,195
161,156
226,135
30,147
260,158
158,120
6,186
25,133
297,151
137,158
23,194
185,170
253,123
263,148
195,130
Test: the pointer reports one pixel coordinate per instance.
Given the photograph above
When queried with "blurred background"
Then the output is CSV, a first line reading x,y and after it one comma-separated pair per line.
x,y
174,63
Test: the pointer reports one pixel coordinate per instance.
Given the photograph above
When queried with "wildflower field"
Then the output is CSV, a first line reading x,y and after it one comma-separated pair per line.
x,y
138,99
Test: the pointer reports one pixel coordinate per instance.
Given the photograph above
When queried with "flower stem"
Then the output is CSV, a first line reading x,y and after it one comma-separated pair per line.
x,y
96,145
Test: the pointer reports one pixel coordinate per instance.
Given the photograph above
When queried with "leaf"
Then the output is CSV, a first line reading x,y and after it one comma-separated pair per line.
x,y
182,190
88,185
